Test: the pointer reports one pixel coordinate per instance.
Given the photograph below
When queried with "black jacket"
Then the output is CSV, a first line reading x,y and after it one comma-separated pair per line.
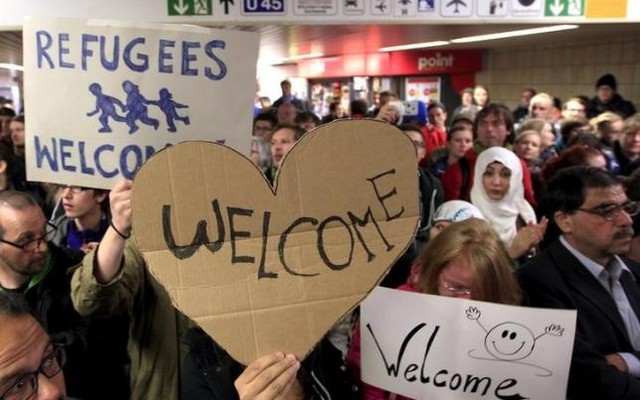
x,y
617,105
557,279
208,371
96,351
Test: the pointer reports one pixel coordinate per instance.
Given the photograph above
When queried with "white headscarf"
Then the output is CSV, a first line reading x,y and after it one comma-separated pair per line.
x,y
503,213
456,211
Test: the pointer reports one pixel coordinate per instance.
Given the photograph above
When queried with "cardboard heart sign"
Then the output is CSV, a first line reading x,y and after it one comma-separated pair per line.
x,y
265,269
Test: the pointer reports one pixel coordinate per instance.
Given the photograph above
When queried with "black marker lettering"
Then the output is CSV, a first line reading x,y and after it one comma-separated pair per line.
x,y
283,242
357,222
383,197
263,255
321,249
393,369
233,234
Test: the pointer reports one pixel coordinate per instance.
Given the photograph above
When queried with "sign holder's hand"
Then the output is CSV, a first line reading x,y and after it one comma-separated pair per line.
x,y
111,248
270,377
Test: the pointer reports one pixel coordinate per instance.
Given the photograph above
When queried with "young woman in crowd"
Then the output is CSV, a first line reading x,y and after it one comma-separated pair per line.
x,y
459,141
466,260
498,193
627,148
547,136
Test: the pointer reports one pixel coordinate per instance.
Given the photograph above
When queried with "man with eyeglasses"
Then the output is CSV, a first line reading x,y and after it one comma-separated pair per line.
x,y
30,364
40,272
590,220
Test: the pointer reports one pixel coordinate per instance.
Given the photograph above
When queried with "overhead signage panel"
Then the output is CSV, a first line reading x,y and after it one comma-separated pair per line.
x,y
331,11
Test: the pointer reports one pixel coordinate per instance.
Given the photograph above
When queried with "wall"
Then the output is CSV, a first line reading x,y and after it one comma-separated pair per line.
x,y
562,70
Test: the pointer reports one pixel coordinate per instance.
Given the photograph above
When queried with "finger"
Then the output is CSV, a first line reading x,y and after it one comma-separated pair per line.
x,y
278,387
254,369
266,382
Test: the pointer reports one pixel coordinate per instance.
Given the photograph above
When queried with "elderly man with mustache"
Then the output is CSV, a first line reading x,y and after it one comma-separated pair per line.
x,y
590,218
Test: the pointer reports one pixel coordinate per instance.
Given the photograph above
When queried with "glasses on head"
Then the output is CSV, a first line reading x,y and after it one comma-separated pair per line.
x,y
610,212
31,245
455,289
74,189
26,386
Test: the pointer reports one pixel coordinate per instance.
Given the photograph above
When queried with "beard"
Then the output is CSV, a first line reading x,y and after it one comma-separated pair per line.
x,y
34,266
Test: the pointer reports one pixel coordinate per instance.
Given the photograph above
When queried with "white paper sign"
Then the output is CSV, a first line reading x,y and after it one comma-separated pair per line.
x,y
102,96
435,347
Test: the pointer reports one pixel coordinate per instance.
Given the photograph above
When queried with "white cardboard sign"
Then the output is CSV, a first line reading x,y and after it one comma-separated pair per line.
x,y
102,96
445,348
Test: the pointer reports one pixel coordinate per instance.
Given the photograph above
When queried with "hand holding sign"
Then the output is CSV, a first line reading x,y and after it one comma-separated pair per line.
x,y
263,269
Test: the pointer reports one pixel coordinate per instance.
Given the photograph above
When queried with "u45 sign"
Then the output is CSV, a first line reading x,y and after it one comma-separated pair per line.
x,y
268,7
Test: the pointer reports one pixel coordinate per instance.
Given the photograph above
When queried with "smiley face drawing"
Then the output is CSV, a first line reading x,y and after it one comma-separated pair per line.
x,y
510,341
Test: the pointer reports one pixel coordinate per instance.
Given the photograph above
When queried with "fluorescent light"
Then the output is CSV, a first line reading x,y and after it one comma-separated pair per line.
x,y
301,57
412,46
522,32
13,67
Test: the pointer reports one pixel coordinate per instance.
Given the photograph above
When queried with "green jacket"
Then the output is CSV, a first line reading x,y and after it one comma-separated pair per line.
x,y
156,327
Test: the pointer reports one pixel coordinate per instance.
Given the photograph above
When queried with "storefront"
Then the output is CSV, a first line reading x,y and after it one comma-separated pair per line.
x,y
413,75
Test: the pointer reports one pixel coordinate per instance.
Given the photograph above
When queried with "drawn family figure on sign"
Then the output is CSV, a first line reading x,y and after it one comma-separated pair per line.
x,y
105,105
510,341
169,108
137,107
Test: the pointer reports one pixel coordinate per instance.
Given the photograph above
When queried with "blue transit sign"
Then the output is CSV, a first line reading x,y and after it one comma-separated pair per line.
x,y
268,7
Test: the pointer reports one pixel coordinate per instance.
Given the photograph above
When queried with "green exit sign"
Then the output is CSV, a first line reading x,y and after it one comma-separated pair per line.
x,y
189,7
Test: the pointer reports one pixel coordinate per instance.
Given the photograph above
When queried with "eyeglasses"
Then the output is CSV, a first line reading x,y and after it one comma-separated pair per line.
x,y
455,289
31,245
609,213
74,189
27,385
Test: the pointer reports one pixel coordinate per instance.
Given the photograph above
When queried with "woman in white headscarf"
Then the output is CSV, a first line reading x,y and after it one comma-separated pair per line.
x,y
499,194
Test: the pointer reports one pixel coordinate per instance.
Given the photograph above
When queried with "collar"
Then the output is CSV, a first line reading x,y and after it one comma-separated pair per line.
x,y
615,266
37,278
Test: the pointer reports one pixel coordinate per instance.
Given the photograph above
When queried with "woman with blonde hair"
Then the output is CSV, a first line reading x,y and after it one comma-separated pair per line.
x,y
469,260
466,260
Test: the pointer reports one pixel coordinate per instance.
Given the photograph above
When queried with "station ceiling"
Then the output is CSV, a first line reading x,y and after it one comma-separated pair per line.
x,y
290,40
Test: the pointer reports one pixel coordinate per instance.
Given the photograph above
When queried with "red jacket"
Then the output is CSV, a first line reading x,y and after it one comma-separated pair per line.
x,y
434,138
452,180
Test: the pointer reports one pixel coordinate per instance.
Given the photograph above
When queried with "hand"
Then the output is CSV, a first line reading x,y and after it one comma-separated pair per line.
x,y
120,200
87,247
270,377
473,313
527,238
388,113
554,330
617,361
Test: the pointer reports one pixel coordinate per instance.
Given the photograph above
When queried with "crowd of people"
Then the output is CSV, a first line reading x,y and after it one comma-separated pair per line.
x,y
537,206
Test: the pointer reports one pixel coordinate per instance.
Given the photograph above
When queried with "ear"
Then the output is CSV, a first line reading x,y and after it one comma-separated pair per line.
x,y
100,197
563,220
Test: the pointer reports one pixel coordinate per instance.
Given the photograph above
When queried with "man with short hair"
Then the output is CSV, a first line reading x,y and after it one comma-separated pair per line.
x,y
575,107
590,227
286,113
39,271
30,364
541,106
282,140
289,97
522,111
492,127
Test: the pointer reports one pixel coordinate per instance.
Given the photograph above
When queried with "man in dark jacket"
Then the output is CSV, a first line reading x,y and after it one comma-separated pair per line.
x,y
607,99
41,272
591,219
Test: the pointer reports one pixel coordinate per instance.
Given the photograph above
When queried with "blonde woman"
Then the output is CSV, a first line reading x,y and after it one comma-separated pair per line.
x,y
466,260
